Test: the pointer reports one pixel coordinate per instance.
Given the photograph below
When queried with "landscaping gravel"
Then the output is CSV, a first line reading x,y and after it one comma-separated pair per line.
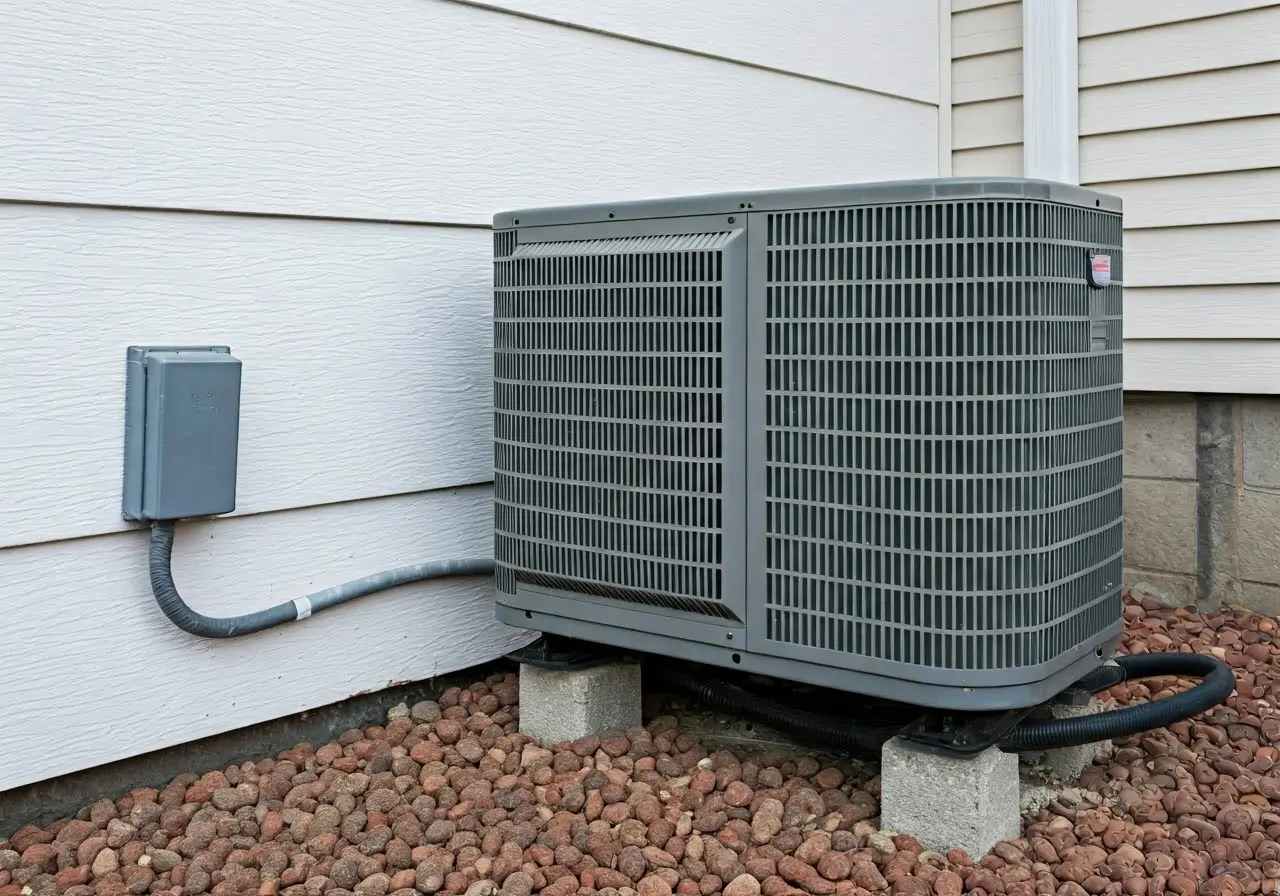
x,y
448,798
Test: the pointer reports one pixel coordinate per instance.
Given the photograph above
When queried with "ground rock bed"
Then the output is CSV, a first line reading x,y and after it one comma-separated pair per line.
x,y
448,798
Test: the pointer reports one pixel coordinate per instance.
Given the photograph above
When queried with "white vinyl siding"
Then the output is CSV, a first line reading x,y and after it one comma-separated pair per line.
x,y
366,370
408,110
881,46
312,185
82,631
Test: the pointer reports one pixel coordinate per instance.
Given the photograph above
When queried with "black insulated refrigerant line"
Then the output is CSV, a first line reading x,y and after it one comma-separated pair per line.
x,y
193,623
1216,685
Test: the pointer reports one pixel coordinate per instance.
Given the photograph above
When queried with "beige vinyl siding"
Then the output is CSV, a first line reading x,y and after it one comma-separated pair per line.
x,y
1111,16
1203,45
1246,144
1229,197
1180,116
986,88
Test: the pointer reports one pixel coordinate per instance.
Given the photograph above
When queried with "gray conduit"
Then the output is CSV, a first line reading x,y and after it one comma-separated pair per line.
x,y
180,614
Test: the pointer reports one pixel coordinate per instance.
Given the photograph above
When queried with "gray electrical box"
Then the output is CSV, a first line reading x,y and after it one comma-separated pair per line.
x,y
868,436
182,429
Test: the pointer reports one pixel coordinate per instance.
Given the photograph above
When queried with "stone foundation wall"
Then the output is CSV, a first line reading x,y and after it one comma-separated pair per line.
x,y
1202,499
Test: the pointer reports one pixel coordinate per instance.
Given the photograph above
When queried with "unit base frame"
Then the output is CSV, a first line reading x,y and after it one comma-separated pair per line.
x,y
728,651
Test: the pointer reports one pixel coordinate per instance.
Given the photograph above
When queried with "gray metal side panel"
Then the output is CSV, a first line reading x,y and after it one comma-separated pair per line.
x,y
734,496
754,435
539,607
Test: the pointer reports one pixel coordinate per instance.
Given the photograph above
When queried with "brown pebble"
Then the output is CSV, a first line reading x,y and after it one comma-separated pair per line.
x,y
653,885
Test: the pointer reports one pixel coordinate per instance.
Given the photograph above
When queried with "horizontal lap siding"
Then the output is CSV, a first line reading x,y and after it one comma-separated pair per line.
x,y
1109,16
401,128
1202,312
1229,197
416,110
82,631
894,41
365,350
1234,366
986,88
1180,116
1199,45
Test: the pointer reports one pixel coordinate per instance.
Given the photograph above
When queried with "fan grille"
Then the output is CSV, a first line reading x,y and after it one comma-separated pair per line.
x,y
609,418
944,432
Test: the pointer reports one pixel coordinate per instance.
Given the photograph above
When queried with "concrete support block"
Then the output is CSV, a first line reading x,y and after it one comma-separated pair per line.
x,y
1065,764
567,705
948,803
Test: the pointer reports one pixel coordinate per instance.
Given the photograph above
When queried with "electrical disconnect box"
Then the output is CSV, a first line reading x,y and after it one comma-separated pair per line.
x,y
868,436
182,427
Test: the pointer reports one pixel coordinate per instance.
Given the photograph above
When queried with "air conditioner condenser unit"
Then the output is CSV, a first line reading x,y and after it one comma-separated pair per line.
x,y
867,437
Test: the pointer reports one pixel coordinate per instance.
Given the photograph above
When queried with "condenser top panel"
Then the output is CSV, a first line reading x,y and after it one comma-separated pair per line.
x,y
842,195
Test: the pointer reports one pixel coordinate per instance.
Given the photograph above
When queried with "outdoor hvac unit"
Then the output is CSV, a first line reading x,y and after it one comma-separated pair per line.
x,y
865,437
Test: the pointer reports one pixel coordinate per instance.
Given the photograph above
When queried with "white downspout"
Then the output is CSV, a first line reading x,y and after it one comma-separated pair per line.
x,y
1050,85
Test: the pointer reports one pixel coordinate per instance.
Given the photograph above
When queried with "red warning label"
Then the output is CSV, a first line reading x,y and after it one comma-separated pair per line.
x,y
1100,270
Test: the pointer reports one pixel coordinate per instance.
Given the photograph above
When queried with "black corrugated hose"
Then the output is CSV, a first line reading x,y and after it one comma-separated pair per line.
x,y
719,694
1217,683
171,602
1215,687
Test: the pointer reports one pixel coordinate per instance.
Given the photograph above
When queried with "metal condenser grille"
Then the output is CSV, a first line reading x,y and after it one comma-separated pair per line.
x,y
944,439
608,422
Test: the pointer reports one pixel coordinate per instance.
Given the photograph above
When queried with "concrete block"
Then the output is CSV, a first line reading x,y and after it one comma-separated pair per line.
x,y
949,803
1065,764
1260,434
560,706
1160,437
1160,525
1259,536
1261,598
1171,589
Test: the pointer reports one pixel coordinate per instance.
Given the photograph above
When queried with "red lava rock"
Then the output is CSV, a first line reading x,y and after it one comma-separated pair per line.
x,y
829,778
742,885
948,883
450,799
41,856
77,875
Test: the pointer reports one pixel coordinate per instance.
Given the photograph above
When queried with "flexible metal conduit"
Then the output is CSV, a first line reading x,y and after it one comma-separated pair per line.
x,y
192,622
